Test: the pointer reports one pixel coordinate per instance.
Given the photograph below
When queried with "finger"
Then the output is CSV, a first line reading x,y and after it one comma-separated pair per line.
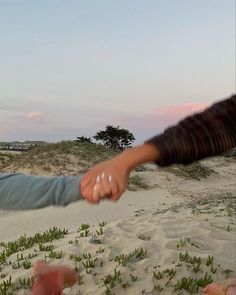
x,y
88,193
115,197
114,187
96,194
101,191
98,190
92,192
85,180
106,185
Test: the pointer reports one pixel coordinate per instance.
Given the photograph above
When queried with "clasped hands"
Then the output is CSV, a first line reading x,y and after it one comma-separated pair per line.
x,y
106,180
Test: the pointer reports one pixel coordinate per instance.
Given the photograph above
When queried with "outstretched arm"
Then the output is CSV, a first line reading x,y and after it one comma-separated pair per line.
x,y
209,133
21,192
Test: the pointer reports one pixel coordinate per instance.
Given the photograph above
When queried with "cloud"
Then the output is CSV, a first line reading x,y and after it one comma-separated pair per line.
x,y
158,119
164,115
67,123
180,110
34,115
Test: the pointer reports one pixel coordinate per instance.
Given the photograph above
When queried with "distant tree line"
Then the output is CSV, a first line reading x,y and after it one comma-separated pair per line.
x,y
112,137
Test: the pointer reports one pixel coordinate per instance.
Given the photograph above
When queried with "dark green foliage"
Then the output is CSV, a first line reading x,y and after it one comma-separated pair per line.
x,y
115,138
192,285
84,139
110,281
25,242
126,259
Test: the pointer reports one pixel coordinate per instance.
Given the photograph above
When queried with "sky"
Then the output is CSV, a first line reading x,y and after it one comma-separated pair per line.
x,y
70,68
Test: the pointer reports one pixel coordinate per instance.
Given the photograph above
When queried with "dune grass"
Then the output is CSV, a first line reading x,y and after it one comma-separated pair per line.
x,y
195,171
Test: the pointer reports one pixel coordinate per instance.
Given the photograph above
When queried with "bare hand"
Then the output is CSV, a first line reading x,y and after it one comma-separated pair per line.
x,y
107,179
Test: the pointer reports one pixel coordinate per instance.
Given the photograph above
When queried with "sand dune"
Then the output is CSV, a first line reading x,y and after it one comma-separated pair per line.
x,y
160,241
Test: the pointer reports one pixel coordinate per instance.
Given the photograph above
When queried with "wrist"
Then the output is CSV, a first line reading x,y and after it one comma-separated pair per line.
x,y
133,157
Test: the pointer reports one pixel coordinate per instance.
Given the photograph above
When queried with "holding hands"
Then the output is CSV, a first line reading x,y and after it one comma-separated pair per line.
x,y
109,179
106,180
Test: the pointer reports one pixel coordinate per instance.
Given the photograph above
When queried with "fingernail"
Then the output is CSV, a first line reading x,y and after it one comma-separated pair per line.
x,y
98,179
103,175
109,178
95,187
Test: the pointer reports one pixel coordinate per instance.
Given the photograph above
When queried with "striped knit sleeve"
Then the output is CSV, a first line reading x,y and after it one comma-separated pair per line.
x,y
205,134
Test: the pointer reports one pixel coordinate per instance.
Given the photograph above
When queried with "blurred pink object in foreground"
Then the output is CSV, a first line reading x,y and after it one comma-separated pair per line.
x,y
51,279
227,288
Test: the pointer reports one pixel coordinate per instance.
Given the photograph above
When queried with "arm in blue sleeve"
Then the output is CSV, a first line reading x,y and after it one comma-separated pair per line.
x,y
21,192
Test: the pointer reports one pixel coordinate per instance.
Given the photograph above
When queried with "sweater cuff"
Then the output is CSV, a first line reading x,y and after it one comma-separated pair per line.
x,y
164,149
71,191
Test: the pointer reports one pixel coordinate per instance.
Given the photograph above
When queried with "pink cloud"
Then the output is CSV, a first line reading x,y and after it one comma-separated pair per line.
x,y
33,115
158,119
180,110
162,117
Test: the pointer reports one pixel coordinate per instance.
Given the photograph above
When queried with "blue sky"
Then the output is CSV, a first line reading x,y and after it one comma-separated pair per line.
x,y
69,68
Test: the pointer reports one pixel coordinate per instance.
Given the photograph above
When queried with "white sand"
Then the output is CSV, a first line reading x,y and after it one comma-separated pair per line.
x,y
211,230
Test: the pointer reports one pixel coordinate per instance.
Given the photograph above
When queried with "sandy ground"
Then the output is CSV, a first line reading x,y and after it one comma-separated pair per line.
x,y
160,224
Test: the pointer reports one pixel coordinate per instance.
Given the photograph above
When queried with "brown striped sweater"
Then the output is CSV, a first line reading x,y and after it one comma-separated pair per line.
x,y
201,135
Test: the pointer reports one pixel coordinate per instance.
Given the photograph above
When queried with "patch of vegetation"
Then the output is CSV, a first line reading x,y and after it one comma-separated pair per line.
x,y
43,247
75,258
142,168
25,242
84,226
7,286
55,254
183,242
193,171
192,285
210,204
230,154
136,183
143,237
224,203
57,157
127,259
6,158
26,283
88,262
110,281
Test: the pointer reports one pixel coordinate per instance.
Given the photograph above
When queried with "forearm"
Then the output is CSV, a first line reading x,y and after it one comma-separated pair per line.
x,y
21,192
133,157
211,132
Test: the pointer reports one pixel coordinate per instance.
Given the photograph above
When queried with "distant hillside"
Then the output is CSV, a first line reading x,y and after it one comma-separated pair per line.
x,y
20,145
66,157
22,142
73,158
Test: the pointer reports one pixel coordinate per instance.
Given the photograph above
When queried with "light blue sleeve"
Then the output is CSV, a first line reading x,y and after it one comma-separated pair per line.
x,y
21,191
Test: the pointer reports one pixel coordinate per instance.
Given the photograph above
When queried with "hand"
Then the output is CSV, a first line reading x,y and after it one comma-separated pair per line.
x,y
107,179
51,279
